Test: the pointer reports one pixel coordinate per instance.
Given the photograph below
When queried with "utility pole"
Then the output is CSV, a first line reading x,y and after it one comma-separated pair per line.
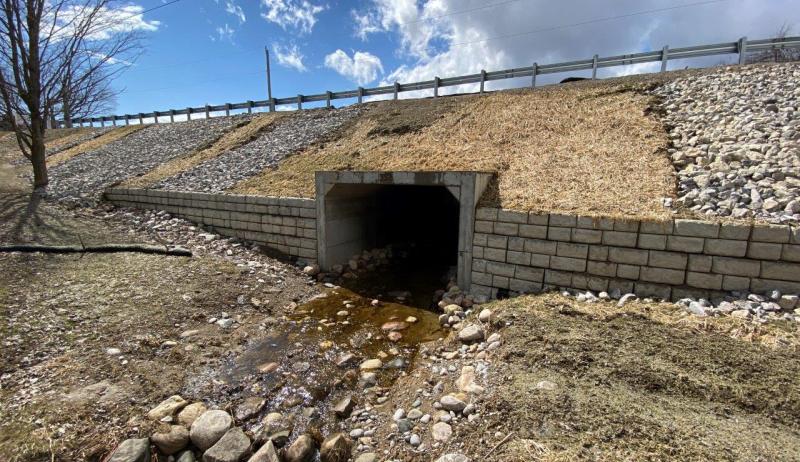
x,y
269,82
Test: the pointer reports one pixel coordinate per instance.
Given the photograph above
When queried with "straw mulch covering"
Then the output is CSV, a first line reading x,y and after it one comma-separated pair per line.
x,y
589,148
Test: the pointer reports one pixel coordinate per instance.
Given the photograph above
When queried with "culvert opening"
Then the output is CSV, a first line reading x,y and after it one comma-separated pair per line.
x,y
426,219
396,241
420,221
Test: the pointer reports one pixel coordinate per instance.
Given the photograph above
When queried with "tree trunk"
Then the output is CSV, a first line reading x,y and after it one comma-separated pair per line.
x,y
38,158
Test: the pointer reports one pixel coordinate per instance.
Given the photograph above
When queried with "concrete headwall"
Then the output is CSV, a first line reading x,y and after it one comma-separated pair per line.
x,y
287,225
528,252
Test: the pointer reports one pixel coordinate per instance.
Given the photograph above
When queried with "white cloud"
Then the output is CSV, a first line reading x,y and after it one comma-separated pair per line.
x,y
298,14
107,23
456,37
236,10
224,32
362,68
289,56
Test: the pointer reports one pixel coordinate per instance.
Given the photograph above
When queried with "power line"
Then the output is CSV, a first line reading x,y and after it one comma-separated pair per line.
x,y
171,2
591,21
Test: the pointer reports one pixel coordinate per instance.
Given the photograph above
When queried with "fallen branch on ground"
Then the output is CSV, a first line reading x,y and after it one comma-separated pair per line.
x,y
102,248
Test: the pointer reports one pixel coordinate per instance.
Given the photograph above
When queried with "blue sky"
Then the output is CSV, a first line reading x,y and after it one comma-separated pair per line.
x,y
211,51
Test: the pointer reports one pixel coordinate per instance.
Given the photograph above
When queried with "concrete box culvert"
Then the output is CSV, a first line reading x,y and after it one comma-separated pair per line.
x,y
357,211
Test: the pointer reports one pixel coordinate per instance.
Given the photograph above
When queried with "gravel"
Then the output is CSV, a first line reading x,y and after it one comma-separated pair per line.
x,y
83,178
736,142
294,133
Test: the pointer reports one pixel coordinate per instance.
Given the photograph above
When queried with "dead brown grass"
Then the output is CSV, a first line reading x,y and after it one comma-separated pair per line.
x,y
645,382
236,137
65,137
585,148
91,145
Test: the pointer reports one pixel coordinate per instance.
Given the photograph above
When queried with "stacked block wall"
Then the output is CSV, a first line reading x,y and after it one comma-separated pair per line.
x,y
526,252
287,225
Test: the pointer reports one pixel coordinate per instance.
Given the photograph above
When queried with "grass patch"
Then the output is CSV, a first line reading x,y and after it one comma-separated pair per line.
x,y
645,383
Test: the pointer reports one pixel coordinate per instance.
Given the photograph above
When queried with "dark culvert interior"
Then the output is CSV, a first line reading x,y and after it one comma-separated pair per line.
x,y
419,224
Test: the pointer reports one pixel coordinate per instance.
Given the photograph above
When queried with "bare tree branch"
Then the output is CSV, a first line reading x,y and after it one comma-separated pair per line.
x,y
58,56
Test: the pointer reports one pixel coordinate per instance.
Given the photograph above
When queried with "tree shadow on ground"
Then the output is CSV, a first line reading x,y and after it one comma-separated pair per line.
x,y
25,218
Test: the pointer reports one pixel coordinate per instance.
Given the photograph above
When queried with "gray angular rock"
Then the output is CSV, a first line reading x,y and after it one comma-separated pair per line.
x,y
451,403
344,407
249,408
232,447
335,448
209,428
302,450
132,450
471,333
265,453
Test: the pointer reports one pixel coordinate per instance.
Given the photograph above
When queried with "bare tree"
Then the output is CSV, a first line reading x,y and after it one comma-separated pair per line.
x,y
777,55
57,55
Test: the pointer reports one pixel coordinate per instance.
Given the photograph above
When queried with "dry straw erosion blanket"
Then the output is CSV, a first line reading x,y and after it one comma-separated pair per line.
x,y
587,148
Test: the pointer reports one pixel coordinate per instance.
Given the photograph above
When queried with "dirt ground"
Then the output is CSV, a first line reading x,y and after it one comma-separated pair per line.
x,y
645,382
62,396
590,148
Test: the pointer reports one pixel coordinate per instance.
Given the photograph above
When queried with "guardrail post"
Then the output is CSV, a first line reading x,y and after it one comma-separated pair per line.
x,y
102,122
534,70
227,109
360,94
249,107
188,114
436,82
172,116
155,116
299,102
272,105
742,49
127,120
664,58
208,111
396,89
483,79
594,67
328,99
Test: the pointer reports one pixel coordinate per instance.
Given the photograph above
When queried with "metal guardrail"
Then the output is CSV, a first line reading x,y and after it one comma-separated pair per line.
x,y
740,47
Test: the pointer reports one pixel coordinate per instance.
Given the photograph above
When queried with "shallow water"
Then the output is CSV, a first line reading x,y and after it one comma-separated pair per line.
x,y
294,367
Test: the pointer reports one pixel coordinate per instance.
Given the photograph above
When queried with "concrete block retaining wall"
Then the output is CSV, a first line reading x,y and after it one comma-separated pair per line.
x,y
519,252
527,252
288,225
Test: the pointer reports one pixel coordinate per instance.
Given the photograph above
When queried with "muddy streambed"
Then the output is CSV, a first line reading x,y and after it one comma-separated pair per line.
x,y
339,346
